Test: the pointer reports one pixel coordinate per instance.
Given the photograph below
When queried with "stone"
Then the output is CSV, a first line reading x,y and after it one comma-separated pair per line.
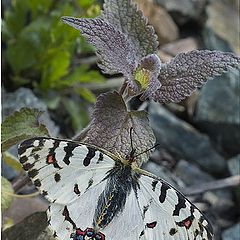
x,y
183,141
191,174
232,233
162,22
183,10
163,173
24,207
217,111
221,29
24,97
234,165
234,169
33,227
14,101
179,46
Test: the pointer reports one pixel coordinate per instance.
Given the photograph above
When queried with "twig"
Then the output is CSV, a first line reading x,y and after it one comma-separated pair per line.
x,y
214,185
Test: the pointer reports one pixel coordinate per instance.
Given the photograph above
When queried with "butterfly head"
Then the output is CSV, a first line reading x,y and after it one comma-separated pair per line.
x,y
88,234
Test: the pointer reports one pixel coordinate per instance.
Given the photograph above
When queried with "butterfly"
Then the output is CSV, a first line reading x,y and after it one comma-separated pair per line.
x,y
97,195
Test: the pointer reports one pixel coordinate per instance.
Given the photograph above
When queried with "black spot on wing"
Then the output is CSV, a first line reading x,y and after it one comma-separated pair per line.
x,y
65,213
33,173
23,159
172,231
44,193
37,183
90,183
55,234
69,149
57,177
28,166
180,204
25,145
163,193
76,189
145,208
154,184
100,158
90,155
142,233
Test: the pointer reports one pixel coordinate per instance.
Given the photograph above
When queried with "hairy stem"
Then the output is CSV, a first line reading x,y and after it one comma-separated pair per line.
x,y
123,88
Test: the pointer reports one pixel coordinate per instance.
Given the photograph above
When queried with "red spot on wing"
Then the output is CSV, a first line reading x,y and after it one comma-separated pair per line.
x,y
152,224
51,159
79,232
187,223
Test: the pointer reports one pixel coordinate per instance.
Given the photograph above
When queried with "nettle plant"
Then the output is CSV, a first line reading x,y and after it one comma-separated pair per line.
x,y
95,184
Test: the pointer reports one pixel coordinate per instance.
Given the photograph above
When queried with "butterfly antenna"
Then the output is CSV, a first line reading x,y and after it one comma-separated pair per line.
x,y
131,139
147,150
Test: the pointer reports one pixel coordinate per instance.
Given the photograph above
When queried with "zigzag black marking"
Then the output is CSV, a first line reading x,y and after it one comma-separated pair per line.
x,y
65,213
163,193
181,204
90,156
69,149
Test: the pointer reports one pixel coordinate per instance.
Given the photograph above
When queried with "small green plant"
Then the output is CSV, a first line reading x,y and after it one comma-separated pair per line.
x,y
39,53
95,184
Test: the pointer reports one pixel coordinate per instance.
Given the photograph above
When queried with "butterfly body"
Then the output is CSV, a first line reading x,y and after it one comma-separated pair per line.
x,y
99,196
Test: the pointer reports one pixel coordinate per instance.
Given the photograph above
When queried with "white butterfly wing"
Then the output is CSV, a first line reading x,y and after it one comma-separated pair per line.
x,y
126,225
168,215
63,170
65,219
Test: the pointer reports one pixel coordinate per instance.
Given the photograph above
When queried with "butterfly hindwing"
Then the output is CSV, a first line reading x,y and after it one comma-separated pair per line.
x,y
167,214
63,170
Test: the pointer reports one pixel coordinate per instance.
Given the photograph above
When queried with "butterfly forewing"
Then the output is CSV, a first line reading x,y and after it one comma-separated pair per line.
x,y
63,170
167,214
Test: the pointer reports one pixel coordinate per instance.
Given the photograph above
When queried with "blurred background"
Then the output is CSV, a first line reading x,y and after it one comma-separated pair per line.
x,y
47,65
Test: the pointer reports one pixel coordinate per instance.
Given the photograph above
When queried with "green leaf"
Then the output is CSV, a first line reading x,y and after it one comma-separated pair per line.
x,y
87,95
6,191
21,125
12,161
55,68
111,124
20,55
79,117
125,16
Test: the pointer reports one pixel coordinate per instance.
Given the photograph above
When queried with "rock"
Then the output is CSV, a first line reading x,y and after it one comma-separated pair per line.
x,y
163,173
182,45
34,227
183,10
234,168
234,165
183,141
24,207
191,174
217,111
24,97
162,22
221,30
232,233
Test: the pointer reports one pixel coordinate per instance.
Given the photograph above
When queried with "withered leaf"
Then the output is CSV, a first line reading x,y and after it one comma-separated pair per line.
x,y
111,124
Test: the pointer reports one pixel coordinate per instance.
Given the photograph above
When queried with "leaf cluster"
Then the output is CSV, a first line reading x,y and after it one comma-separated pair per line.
x,y
39,49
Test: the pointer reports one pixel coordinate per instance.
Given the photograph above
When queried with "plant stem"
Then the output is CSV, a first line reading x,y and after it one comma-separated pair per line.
x,y
123,88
